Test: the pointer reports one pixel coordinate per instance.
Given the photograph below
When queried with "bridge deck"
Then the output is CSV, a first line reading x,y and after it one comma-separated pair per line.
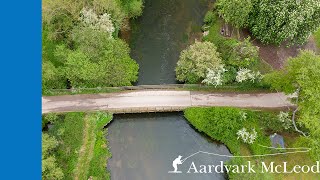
x,y
159,101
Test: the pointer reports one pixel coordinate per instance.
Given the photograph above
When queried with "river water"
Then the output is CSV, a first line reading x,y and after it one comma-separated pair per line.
x,y
143,146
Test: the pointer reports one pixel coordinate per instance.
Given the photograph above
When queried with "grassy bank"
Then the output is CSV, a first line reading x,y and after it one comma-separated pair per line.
x,y
223,123
317,38
82,150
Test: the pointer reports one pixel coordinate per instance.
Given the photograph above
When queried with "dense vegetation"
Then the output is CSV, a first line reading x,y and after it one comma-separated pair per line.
x,y
236,62
301,76
196,60
75,147
274,21
317,38
244,131
81,47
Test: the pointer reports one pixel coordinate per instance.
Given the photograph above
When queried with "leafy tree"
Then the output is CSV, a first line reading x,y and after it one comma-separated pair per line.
x,y
243,54
235,12
277,21
81,72
132,7
98,61
301,75
52,77
195,61
50,168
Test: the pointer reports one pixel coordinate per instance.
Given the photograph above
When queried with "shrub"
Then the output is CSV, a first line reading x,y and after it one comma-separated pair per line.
x,y
209,18
223,124
196,60
248,75
243,54
215,76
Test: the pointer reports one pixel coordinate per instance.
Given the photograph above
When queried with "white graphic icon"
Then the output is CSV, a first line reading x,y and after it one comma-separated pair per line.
x,y
175,164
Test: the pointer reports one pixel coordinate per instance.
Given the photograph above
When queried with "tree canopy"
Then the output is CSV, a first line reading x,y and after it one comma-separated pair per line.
x,y
273,21
195,61
50,169
301,75
235,12
276,21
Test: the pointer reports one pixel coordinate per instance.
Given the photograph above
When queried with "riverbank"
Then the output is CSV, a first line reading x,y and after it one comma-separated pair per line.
x,y
223,124
82,151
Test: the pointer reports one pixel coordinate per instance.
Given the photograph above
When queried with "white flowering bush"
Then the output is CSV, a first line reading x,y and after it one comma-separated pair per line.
x,y
92,20
245,74
246,136
284,119
194,62
215,76
243,116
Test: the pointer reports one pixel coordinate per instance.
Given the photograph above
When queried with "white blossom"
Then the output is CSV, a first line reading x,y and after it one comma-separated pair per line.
x,y
214,76
92,20
243,115
246,136
283,118
245,74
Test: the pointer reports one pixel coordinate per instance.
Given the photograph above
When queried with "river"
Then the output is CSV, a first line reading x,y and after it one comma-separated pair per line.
x,y
143,146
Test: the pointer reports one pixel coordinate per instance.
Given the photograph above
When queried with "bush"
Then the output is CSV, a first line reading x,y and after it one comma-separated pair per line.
x,y
243,54
69,132
209,18
317,38
195,61
223,123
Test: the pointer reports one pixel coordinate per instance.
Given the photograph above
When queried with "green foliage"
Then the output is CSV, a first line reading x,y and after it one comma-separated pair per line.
x,y
70,44
243,54
195,61
223,123
69,133
101,151
97,60
50,168
209,18
132,7
49,118
302,73
277,21
235,12
317,38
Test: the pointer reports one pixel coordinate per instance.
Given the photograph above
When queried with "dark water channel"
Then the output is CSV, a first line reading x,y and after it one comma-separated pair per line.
x,y
143,146
160,34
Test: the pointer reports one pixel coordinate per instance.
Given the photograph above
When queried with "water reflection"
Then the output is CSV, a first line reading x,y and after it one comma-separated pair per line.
x,y
143,147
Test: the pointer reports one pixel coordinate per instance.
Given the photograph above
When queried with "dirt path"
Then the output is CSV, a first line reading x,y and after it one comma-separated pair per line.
x,y
151,101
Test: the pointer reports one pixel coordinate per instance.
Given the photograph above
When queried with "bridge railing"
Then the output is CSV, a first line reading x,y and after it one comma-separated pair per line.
x,y
122,88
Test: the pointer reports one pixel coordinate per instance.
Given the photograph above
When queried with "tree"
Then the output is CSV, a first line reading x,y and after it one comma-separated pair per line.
x,y
235,12
97,61
277,21
50,168
81,72
195,61
243,54
301,75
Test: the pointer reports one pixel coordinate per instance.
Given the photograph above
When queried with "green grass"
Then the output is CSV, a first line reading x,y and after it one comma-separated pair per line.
x,y
317,38
83,149
234,88
222,123
56,92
